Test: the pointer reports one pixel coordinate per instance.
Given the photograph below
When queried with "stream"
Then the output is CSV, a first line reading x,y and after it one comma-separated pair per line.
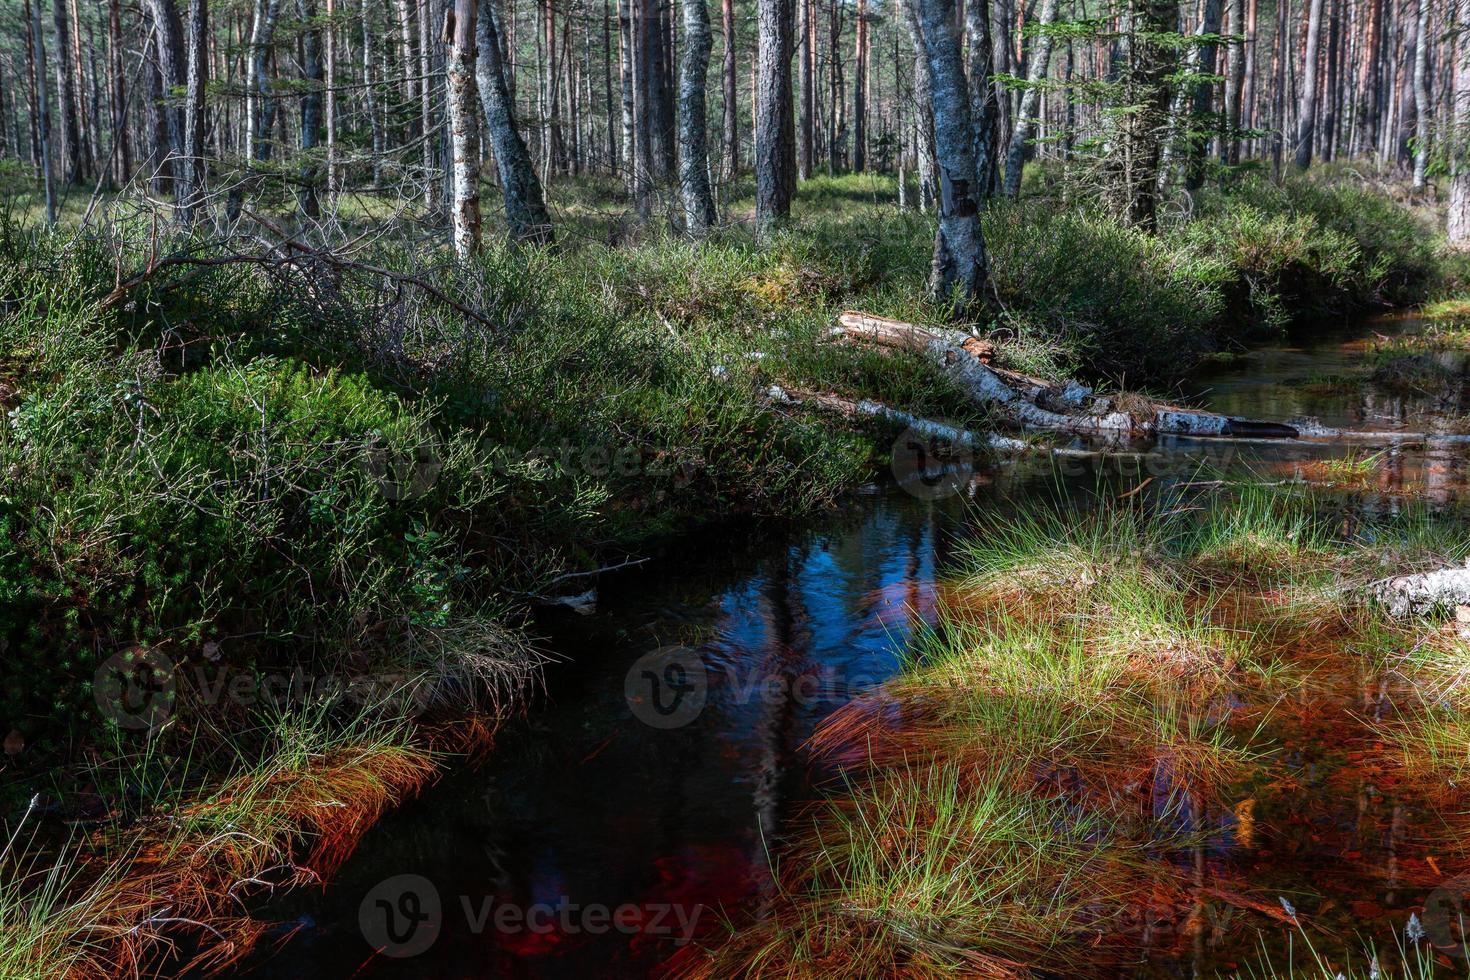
x,y
641,798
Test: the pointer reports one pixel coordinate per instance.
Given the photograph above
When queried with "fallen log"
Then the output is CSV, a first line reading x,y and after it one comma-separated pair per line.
x,y
1033,402
929,428
1427,592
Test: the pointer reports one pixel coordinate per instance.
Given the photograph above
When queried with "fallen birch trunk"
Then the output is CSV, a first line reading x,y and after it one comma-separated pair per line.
x,y
1426,592
1032,402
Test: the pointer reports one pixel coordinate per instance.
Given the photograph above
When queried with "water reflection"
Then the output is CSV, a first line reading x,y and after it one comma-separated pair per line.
x,y
585,805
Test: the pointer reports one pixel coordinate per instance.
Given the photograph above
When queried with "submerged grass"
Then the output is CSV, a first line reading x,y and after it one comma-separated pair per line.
x,y
1081,728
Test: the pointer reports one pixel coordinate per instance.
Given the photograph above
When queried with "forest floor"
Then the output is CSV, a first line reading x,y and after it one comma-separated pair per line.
x,y
274,527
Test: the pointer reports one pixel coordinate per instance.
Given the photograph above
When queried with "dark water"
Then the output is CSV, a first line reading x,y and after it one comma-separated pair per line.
x,y
644,795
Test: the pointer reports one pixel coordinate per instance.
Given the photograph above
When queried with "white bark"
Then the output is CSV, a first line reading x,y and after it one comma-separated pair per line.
x,y
1459,213
1035,75
1031,402
464,126
1428,592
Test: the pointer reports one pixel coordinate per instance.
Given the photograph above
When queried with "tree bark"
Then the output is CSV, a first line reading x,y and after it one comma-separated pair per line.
x,y
699,203
860,87
311,106
257,86
731,123
66,93
1036,74
1307,104
526,217
775,136
961,268
924,108
984,97
806,83
460,33
1458,225
1422,110
122,156
197,75
1234,84
43,113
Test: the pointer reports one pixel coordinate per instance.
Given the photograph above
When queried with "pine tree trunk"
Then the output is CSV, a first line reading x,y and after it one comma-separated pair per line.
x,y
66,93
32,111
775,129
961,269
860,88
371,77
311,106
806,83
1040,57
699,204
197,77
525,209
122,156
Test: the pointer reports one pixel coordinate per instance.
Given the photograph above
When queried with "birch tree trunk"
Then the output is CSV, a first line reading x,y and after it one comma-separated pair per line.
x,y
984,98
257,86
961,269
1035,75
460,33
1422,110
1234,84
775,129
924,107
1458,226
311,106
1307,104
525,209
699,203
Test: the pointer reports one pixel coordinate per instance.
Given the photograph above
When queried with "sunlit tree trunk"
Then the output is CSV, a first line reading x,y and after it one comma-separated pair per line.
x,y
699,203
961,268
1307,103
1458,225
806,86
464,126
1422,110
1035,75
